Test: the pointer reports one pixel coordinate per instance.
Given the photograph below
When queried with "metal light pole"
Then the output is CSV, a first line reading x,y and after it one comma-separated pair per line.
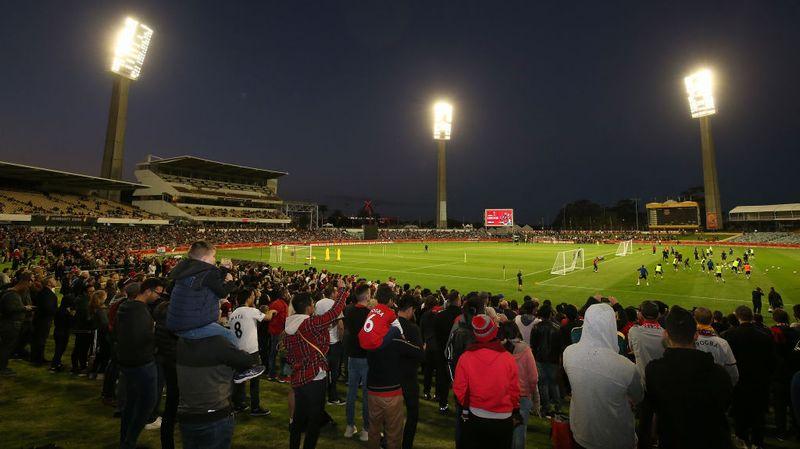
x,y
442,127
129,53
699,86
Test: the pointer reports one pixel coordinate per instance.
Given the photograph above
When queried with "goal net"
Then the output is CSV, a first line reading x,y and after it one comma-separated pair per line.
x,y
290,254
625,248
568,261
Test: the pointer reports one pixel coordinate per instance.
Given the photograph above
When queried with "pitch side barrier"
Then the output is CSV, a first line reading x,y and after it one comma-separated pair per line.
x,y
252,245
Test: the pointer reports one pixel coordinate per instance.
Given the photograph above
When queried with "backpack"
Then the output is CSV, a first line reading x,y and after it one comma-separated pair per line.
x,y
112,314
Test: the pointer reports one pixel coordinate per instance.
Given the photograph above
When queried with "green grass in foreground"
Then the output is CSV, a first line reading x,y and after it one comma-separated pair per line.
x,y
444,264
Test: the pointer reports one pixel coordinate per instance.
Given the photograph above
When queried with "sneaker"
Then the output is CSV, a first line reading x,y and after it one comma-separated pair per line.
x,y
8,372
260,412
427,396
239,409
272,379
363,436
350,431
248,374
336,402
444,410
155,425
284,379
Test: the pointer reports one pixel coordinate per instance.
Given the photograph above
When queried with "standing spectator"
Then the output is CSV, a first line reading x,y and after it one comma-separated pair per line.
x,y
546,345
526,320
409,367
442,326
384,382
775,299
46,303
757,295
307,340
688,392
718,347
276,326
755,359
98,313
82,327
486,385
135,355
354,317
597,370
165,343
335,349
788,363
244,321
430,345
12,313
528,380
205,368
62,328
646,338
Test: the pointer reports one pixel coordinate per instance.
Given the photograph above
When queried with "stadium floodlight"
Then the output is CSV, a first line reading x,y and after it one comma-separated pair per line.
x,y
442,120
700,87
130,48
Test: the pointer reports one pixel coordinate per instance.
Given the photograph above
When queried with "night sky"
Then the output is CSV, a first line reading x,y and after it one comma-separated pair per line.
x,y
554,101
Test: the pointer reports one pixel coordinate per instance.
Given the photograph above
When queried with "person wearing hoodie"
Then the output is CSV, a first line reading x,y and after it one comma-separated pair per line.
x,y
194,303
596,370
307,341
528,379
687,390
487,387
526,320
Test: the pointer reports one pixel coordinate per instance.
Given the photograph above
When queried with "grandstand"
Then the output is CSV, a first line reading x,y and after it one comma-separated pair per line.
x,y
202,190
38,195
770,216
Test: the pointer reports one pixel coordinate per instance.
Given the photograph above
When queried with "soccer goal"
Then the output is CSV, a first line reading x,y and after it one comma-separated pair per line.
x,y
290,254
625,248
568,261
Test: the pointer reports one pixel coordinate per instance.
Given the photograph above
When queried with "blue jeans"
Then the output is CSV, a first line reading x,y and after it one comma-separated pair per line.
x,y
548,386
273,354
140,399
521,431
357,373
209,330
213,435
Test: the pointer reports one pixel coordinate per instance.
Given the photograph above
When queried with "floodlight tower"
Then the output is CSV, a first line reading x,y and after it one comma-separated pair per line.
x,y
700,89
130,49
442,126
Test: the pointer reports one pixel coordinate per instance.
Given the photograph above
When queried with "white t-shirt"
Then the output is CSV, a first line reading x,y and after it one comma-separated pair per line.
x,y
243,325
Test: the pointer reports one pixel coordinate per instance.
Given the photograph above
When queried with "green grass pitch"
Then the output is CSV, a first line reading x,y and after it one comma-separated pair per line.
x,y
37,407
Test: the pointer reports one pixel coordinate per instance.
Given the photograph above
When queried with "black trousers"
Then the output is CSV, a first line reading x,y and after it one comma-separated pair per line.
x,y
8,341
41,330
168,418
429,368
61,339
24,339
442,380
335,353
411,398
781,402
80,352
748,411
481,433
309,406
756,306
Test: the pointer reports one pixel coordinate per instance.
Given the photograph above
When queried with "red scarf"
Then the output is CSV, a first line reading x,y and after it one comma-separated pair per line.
x,y
653,324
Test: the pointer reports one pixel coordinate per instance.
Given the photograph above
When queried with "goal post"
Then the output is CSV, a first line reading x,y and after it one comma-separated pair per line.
x,y
568,261
625,247
290,254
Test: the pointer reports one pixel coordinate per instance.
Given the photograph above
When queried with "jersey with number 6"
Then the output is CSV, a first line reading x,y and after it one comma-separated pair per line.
x,y
243,325
376,326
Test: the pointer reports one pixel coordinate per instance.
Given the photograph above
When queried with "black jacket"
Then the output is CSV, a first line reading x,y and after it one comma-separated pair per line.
x,y
354,318
409,362
134,334
385,375
689,394
443,324
755,356
46,303
546,342
427,325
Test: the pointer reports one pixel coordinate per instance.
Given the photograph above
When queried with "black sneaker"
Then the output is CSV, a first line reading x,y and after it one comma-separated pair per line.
x,y
427,396
248,374
336,402
240,408
260,412
444,410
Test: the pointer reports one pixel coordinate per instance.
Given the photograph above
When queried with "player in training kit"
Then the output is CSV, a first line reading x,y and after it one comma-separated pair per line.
x,y
747,270
686,263
642,275
710,266
675,263
426,248
718,273
703,264
595,262
660,270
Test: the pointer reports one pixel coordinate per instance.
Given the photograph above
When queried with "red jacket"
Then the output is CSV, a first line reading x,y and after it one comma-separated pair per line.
x,y
278,322
487,378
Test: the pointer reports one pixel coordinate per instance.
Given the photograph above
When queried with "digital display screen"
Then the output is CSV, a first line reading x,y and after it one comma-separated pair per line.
x,y
498,217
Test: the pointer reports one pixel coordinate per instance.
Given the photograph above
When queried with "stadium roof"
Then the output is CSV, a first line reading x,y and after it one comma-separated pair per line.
x,y
793,207
27,174
218,168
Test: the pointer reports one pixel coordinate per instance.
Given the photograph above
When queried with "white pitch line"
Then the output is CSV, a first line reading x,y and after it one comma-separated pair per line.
x,y
436,265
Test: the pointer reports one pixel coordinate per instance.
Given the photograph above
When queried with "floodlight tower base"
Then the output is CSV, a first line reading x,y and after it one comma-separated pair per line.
x,y
710,183
441,187
115,132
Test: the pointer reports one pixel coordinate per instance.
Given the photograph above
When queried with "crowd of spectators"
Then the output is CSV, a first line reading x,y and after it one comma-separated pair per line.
x,y
61,204
232,212
613,365
787,238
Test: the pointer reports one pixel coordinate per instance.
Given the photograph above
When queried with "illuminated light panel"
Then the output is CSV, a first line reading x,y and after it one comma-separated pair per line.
x,y
442,120
130,48
700,88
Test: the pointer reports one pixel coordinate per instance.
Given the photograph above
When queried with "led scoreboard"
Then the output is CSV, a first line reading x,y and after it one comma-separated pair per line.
x,y
673,215
498,217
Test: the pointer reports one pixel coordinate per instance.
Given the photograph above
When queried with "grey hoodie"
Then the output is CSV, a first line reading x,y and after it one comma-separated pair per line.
x,y
603,382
